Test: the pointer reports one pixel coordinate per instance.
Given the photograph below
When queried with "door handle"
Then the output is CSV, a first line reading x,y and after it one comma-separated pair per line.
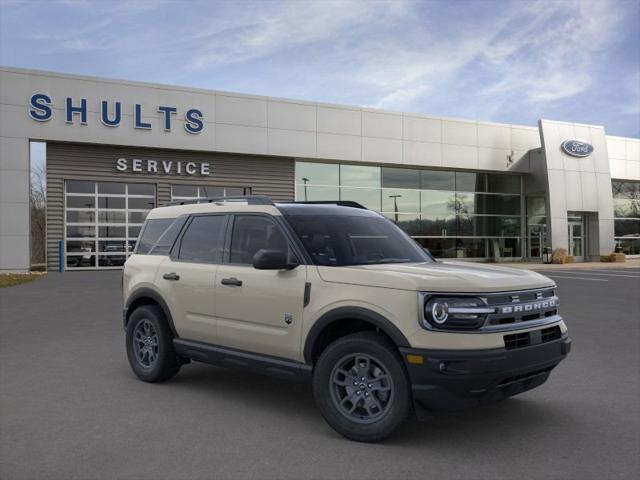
x,y
233,282
171,276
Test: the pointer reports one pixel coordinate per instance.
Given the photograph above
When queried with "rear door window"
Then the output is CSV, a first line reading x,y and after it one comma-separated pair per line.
x,y
203,240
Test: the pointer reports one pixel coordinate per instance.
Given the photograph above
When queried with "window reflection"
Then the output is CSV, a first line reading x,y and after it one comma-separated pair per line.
x,y
317,173
470,182
409,222
400,200
307,193
367,197
400,178
437,180
359,176
626,205
626,208
437,204
454,214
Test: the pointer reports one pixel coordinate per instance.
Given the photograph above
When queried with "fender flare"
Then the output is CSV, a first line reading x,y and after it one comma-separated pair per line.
x,y
352,313
146,292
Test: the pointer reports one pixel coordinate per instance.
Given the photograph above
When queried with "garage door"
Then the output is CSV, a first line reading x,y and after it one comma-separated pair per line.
x,y
103,220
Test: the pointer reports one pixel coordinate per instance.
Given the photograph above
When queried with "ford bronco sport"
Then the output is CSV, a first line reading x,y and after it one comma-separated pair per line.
x,y
338,295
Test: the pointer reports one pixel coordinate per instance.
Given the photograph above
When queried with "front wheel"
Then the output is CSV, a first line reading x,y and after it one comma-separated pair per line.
x,y
361,387
150,345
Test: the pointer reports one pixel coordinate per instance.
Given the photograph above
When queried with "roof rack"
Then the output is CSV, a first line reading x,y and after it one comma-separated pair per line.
x,y
250,199
341,203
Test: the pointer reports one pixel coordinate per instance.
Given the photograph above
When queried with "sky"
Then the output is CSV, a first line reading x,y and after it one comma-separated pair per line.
x,y
502,61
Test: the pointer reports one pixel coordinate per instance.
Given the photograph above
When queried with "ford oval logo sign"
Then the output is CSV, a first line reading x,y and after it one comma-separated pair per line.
x,y
577,148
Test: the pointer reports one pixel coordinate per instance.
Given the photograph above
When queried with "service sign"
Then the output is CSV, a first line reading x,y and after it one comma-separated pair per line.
x,y
577,148
166,167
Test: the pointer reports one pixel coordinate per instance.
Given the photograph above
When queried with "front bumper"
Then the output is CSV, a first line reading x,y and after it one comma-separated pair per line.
x,y
453,379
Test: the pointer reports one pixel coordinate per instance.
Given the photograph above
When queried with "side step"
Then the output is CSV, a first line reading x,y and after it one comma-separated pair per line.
x,y
231,358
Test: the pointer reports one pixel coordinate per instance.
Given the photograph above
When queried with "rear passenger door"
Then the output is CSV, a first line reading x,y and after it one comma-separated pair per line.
x,y
187,277
259,310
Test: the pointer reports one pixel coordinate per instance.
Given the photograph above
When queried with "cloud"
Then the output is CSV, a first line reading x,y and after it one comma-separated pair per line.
x,y
540,51
552,57
259,33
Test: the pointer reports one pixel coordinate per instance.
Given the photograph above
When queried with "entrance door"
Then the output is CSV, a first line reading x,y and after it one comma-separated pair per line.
x,y
576,237
537,234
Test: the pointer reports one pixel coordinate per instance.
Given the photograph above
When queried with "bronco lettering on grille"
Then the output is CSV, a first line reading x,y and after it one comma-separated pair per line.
x,y
527,307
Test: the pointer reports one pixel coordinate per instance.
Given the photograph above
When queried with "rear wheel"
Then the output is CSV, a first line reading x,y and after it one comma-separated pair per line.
x,y
361,387
150,345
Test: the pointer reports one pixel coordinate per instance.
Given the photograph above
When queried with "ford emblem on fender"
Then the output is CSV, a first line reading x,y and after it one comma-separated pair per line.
x,y
577,148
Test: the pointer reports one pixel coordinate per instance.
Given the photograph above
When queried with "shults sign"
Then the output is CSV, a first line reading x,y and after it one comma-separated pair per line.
x,y
41,109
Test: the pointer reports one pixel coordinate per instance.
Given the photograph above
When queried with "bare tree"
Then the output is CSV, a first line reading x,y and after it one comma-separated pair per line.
x,y
37,207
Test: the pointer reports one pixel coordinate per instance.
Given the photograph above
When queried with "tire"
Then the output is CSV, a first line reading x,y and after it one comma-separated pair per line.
x,y
384,398
149,344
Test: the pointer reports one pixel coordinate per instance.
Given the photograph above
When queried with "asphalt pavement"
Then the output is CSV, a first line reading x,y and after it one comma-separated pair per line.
x,y
70,408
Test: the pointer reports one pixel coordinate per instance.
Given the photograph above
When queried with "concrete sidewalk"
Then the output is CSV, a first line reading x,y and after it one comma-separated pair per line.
x,y
630,263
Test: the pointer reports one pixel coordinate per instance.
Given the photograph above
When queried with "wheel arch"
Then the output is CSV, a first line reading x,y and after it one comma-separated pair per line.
x,y
147,296
330,322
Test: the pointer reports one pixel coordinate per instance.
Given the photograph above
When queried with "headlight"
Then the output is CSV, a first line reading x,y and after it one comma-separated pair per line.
x,y
455,313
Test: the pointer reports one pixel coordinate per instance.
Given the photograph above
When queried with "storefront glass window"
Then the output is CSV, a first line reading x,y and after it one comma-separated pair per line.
x,y
307,193
317,173
497,183
400,178
454,214
368,197
359,176
400,200
437,204
437,180
471,182
626,204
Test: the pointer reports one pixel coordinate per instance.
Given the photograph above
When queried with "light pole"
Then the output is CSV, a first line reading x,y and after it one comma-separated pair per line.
x,y
395,205
305,180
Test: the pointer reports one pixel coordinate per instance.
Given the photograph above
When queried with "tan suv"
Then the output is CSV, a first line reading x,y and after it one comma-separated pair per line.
x,y
337,295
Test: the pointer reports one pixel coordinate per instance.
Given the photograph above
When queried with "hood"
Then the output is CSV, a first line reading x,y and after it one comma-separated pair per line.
x,y
437,277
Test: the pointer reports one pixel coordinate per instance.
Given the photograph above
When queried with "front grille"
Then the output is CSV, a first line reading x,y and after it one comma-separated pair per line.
x,y
516,307
526,296
525,339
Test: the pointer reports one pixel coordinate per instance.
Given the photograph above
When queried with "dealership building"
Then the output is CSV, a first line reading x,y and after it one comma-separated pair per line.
x,y
464,189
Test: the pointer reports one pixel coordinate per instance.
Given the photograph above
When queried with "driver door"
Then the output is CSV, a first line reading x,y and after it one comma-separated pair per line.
x,y
259,310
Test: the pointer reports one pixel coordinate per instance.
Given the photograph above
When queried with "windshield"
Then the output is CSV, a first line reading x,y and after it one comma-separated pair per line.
x,y
341,240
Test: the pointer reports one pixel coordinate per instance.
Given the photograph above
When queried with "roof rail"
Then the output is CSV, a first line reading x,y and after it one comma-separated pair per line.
x,y
340,203
250,199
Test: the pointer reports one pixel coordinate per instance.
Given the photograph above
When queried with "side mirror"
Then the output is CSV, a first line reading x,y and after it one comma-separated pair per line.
x,y
272,260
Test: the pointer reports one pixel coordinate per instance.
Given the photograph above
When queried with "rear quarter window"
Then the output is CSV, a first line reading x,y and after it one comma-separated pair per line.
x,y
155,230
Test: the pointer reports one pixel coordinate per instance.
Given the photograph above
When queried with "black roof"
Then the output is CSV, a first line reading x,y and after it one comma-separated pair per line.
x,y
294,208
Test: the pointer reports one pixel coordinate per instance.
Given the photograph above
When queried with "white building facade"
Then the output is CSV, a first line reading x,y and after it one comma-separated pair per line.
x,y
463,189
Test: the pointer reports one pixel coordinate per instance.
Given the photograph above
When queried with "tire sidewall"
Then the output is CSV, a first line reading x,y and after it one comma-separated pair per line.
x,y
379,348
166,364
